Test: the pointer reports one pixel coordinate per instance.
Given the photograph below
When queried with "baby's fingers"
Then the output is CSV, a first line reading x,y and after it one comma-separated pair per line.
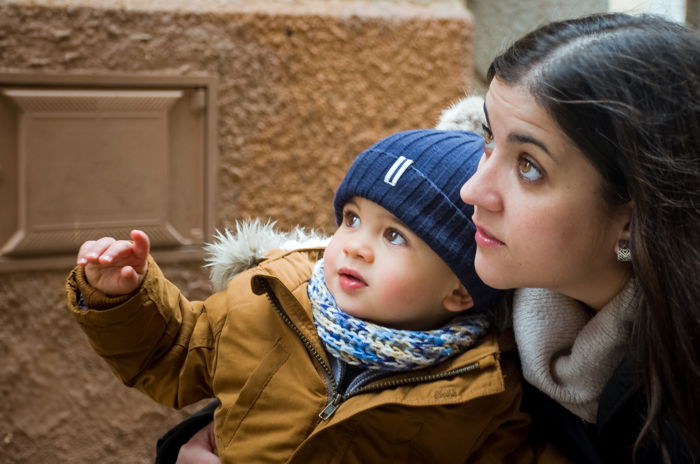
x,y
118,250
142,244
91,250
83,252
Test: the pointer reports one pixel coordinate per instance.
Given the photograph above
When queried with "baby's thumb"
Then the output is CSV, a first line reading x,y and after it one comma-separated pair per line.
x,y
130,278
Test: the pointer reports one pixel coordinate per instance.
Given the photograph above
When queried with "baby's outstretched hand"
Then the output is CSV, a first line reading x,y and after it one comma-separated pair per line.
x,y
115,267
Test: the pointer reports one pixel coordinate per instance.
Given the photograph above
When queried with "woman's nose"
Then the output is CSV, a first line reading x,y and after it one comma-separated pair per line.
x,y
482,189
359,249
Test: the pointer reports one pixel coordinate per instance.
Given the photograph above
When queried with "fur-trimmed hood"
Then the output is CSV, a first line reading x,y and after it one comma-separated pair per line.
x,y
467,114
234,251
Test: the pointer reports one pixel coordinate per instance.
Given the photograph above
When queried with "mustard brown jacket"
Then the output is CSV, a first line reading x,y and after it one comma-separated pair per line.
x,y
254,346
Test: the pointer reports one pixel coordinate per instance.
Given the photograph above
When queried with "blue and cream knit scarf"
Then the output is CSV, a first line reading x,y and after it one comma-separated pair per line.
x,y
372,346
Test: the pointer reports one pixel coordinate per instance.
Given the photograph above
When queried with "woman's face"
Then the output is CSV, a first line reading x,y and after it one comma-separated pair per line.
x,y
539,210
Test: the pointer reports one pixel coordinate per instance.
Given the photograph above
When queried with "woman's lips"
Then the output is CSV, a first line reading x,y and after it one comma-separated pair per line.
x,y
484,239
350,280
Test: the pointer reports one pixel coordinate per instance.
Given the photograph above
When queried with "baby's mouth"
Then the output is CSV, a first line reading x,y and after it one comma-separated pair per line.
x,y
351,280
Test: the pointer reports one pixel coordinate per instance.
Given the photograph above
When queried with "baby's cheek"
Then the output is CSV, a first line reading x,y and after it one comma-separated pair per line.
x,y
398,293
330,256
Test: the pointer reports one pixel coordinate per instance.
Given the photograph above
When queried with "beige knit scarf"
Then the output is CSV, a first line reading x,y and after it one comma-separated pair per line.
x,y
567,351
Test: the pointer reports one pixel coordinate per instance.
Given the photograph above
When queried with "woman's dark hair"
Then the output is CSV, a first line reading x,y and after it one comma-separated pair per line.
x,y
626,90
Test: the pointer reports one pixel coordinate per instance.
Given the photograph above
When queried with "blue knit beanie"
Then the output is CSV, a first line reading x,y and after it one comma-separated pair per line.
x,y
416,175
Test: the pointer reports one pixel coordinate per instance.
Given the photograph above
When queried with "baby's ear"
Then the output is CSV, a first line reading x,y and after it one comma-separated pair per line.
x,y
458,300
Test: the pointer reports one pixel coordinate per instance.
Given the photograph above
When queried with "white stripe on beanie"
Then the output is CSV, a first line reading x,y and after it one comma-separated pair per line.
x,y
396,170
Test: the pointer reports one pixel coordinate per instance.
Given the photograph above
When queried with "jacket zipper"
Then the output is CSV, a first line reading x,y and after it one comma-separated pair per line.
x,y
338,399
327,372
335,399
417,379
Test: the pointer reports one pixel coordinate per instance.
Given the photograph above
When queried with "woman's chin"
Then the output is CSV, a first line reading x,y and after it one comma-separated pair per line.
x,y
491,275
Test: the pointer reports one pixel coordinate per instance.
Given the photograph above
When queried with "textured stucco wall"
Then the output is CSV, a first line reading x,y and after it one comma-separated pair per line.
x,y
59,403
303,87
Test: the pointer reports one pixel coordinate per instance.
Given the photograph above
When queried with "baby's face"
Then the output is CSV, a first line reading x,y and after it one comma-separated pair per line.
x,y
380,271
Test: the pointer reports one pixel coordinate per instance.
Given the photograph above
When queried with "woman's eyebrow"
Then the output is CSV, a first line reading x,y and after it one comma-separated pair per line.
x,y
522,138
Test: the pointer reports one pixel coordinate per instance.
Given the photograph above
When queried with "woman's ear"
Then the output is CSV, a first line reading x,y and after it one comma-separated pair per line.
x,y
458,300
625,221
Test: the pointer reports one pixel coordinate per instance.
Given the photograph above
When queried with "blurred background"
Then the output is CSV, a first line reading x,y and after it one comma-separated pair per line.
x,y
180,117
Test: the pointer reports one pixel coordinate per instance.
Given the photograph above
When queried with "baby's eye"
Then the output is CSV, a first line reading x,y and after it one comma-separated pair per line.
x,y
351,219
528,170
394,237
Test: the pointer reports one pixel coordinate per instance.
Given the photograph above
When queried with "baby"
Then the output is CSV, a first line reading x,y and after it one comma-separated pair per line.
x,y
376,348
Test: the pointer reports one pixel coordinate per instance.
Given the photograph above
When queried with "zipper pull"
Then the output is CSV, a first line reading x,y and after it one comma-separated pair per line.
x,y
330,409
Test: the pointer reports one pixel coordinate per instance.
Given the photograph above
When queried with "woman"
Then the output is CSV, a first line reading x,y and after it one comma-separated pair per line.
x,y
588,200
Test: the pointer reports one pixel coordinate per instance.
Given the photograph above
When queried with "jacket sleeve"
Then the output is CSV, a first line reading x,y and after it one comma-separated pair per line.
x,y
155,340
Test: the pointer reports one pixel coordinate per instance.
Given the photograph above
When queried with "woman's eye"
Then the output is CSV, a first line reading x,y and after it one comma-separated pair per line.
x,y
394,237
489,143
528,170
352,219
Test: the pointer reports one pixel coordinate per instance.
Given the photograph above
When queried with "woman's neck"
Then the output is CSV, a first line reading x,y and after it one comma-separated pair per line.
x,y
597,294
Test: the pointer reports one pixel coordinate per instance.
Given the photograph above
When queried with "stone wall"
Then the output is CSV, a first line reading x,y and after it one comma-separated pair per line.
x,y
302,88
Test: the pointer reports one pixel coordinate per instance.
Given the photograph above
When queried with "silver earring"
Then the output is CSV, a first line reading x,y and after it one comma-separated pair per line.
x,y
624,254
